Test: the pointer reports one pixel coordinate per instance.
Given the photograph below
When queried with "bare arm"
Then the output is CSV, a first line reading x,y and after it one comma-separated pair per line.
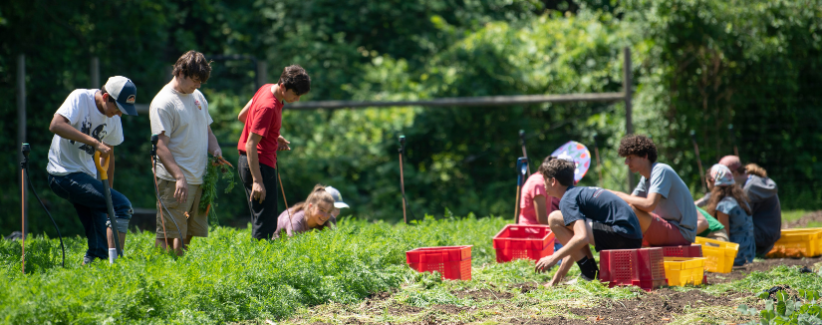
x,y
181,190
541,209
579,242
647,204
244,111
213,145
60,126
723,218
701,223
257,188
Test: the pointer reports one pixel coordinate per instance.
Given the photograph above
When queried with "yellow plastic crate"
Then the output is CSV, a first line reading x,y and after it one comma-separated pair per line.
x,y
803,242
684,270
719,255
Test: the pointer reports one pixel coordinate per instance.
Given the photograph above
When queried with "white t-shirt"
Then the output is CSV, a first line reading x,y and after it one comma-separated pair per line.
x,y
185,120
69,156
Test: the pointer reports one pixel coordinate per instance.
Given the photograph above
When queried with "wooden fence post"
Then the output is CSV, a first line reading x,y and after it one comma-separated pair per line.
x,y
626,88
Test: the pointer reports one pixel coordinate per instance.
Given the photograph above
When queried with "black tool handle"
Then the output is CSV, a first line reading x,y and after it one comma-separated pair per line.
x,y
154,139
25,149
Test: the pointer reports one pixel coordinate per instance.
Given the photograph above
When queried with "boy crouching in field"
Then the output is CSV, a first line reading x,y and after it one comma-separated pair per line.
x,y
587,215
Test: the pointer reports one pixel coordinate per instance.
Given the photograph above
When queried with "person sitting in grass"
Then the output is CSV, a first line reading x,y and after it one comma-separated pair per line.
x,y
320,210
661,200
707,226
729,204
587,215
763,198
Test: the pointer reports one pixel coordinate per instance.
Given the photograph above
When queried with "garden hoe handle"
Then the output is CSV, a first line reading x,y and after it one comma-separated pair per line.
x,y
524,152
103,170
402,180
599,161
733,139
699,162
25,149
522,167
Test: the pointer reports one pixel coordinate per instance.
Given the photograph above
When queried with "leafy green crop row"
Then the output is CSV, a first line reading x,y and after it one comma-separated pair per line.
x,y
225,277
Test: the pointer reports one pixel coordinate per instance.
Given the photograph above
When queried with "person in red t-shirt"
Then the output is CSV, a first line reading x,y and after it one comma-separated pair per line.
x,y
259,143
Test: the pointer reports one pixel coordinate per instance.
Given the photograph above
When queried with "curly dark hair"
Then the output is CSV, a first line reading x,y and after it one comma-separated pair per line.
x,y
638,145
193,64
295,78
560,169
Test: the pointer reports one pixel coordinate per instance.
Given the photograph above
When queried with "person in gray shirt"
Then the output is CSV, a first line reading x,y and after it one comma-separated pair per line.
x,y
763,198
662,202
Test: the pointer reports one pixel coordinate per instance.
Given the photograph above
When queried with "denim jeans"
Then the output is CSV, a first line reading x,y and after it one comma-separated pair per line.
x,y
86,194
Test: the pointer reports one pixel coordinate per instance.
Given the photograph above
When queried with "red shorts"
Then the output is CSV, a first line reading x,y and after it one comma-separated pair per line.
x,y
662,233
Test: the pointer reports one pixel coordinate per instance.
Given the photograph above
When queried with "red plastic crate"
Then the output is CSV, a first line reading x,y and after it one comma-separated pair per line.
x,y
452,262
643,267
682,251
523,242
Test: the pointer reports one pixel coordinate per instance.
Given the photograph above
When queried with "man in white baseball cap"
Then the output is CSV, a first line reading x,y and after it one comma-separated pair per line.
x,y
89,121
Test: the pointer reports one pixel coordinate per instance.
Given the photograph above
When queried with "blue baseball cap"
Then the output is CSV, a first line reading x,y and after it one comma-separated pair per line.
x,y
124,93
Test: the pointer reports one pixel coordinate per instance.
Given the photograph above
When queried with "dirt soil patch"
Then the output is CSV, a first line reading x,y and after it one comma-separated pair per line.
x,y
740,272
657,307
525,287
547,321
380,296
804,220
402,309
452,309
482,294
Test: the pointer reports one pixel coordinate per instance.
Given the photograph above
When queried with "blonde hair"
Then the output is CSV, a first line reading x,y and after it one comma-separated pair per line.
x,y
756,170
317,195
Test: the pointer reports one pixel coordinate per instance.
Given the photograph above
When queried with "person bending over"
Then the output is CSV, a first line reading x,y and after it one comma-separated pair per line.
x,y
587,215
729,204
317,212
89,121
662,202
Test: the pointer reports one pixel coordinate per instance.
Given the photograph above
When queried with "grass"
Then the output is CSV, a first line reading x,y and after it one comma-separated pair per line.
x,y
316,277
793,215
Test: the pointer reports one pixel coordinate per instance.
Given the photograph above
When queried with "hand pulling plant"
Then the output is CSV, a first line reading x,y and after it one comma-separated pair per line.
x,y
217,168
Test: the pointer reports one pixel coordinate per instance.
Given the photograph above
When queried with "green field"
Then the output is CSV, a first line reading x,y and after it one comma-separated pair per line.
x,y
328,277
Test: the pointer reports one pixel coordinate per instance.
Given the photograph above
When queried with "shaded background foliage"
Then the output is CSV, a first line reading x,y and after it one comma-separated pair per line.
x,y
698,64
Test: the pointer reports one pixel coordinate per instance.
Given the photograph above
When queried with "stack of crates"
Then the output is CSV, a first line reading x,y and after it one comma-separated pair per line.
x,y
682,251
802,242
523,242
690,251
643,267
452,262
719,255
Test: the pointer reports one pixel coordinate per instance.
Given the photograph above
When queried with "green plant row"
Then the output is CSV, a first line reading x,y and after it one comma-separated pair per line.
x,y
222,278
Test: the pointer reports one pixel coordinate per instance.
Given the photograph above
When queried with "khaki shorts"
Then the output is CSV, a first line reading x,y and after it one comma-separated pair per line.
x,y
195,225
720,235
